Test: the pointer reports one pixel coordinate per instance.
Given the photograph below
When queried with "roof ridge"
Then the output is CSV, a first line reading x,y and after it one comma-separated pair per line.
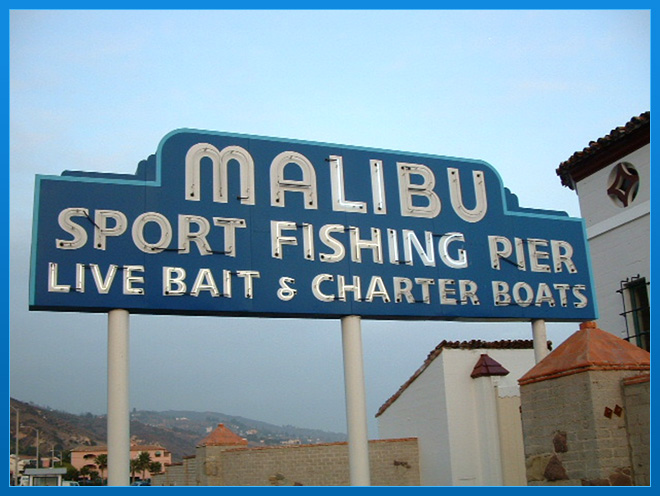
x,y
479,343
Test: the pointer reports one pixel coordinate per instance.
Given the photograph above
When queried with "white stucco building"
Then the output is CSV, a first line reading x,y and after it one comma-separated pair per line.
x,y
463,405
612,177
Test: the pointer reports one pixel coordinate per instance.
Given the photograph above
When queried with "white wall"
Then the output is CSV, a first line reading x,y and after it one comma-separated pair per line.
x,y
441,409
619,237
420,412
595,205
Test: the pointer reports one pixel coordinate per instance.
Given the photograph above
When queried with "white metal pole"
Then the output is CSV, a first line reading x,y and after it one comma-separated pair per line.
x,y
356,403
119,438
540,339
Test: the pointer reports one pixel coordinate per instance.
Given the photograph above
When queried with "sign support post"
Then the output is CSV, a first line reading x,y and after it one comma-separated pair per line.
x,y
540,339
356,404
119,440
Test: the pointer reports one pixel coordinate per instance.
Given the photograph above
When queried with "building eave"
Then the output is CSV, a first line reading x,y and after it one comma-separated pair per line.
x,y
599,154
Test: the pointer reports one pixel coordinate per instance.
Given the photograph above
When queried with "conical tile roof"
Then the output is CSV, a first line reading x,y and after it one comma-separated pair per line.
x,y
221,436
487,366
589,349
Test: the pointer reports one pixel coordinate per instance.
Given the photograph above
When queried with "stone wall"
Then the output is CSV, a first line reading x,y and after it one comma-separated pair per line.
x,y
393,462
637,405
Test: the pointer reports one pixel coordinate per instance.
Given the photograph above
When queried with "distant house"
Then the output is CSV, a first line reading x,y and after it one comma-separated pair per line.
x,y
463,405
85,456
43,476
612,178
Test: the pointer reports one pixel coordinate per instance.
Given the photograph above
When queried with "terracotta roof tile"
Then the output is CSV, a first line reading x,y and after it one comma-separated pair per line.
x,y
589,349
221,436
621,141
474,344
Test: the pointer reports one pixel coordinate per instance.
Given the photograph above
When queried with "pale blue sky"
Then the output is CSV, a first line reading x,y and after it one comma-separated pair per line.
x,y
97,90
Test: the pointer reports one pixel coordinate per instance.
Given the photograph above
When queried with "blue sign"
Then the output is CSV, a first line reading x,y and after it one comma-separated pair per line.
x,y
228,224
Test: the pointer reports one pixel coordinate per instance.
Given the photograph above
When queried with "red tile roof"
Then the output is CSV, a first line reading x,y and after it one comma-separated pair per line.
x,y
617,144
221,436
475,344
589,349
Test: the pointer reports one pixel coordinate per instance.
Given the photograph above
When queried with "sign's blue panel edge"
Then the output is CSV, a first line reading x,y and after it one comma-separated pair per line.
x,y
125,179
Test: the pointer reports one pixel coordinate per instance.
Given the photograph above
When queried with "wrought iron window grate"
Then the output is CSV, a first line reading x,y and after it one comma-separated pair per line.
x,y
636,310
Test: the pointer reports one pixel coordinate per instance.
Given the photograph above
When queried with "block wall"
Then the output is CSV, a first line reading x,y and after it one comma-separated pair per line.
x,y
190,470
637,406
208,465
172,476
178,474
575,430
393,462
308,465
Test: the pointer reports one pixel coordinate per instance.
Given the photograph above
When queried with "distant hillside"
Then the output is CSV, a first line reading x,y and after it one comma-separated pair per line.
x,y
177,431
257,433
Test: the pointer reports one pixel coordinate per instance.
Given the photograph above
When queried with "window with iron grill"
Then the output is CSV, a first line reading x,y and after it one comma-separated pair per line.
x,y
636,311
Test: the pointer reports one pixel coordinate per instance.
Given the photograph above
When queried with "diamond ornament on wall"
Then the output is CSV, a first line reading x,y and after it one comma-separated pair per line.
x,y
624,184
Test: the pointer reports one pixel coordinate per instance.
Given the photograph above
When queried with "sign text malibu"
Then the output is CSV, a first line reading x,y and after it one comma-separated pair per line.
x,y
225,224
